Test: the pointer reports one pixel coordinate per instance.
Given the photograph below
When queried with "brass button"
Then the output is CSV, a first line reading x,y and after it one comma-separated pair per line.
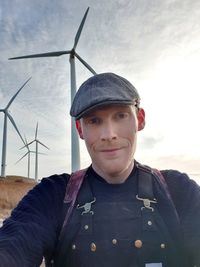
x,y
73,246
93,247
162,245
138,243
86,227
114,241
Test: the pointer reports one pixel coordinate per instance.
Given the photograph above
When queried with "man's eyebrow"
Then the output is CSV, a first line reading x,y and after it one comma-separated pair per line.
x,y
89,115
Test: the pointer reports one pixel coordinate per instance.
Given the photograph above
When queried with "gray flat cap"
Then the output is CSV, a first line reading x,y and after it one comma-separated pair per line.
x,y
103,89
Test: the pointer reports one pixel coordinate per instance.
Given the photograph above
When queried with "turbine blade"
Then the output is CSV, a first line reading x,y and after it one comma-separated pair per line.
x,y
85,64
80,29
23,147
26,142
42,144
30,143
25,139
26,145
42,153
38,153
36,131
12,99
49,54
15,126
22,157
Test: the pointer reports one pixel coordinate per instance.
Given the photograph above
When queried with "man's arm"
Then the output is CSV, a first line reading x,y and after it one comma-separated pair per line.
x,y
31,231
186,196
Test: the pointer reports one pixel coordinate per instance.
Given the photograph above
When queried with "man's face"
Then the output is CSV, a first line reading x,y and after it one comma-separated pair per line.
x,y
110,134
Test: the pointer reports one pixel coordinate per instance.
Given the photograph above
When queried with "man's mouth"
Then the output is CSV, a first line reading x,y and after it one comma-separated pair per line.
x,y
110,149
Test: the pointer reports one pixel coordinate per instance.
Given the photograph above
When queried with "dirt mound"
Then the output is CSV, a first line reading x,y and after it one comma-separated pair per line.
x,y
12,189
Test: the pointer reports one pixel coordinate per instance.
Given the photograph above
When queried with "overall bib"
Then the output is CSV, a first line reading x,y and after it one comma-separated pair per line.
x,y
116,226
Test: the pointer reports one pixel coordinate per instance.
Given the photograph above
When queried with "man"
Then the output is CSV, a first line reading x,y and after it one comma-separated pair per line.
x,y
124,214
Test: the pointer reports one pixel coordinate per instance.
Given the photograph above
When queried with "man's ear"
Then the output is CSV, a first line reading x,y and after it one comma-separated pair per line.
x,y
79,128
141,119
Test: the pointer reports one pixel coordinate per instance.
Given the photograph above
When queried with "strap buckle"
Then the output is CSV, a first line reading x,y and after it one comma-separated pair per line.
x,y
87,207
147,203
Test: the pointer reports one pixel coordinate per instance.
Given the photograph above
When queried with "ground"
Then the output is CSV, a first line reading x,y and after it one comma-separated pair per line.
x,y
12,189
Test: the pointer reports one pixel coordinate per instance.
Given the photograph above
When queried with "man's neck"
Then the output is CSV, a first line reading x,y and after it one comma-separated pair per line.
x,y
114,178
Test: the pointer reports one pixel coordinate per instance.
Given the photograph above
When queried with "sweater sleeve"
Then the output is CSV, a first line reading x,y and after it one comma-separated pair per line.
x,y
186,196
30,233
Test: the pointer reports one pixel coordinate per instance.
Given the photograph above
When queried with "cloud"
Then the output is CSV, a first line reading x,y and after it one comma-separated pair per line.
x,y
183,163
149,142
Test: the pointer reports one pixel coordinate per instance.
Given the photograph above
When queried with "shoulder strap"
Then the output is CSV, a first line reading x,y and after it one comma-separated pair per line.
x,y
148,178
161,178
71,193
158,189
72,189
145,183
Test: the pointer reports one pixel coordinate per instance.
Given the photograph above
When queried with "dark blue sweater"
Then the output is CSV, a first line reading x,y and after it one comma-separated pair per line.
x,y
31,231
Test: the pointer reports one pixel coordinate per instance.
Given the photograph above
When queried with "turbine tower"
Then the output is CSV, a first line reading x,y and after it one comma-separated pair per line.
x,y
36,140
6,117
75,164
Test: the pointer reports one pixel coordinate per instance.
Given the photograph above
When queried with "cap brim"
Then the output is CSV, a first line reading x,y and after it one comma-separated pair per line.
x,y
105,103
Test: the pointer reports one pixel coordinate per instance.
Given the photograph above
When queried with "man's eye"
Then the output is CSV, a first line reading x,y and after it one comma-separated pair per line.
x,y
122,115
93,121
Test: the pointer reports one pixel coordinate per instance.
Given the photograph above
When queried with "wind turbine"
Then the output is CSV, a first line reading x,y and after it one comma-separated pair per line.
x,y
28,154
72,54
36,140
6,117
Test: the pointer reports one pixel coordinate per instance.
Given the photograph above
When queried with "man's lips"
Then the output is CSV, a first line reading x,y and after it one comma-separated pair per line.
x,y
110,150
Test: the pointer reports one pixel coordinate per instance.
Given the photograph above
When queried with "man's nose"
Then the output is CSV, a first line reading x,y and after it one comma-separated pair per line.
x,y
108,132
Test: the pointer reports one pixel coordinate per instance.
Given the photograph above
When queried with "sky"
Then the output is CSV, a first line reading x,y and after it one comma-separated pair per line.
x,y
154,44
